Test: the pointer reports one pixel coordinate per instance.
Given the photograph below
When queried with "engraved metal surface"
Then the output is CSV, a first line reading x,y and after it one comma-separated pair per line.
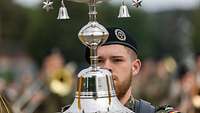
x,y
96,93
87,1
93,34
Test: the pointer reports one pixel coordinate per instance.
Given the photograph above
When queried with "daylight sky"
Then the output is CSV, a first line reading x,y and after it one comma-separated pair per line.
x,y
148,5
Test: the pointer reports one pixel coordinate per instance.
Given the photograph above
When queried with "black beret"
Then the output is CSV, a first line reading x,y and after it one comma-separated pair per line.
x,y
117,36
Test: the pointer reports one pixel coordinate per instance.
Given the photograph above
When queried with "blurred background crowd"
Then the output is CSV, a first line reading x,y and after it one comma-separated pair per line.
x,y
37,52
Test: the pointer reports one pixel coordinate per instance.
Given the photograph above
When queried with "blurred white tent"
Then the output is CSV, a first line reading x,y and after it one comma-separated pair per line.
x,y
148,5
28,3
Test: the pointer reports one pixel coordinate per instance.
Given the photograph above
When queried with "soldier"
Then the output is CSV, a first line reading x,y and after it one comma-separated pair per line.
x,y
119,55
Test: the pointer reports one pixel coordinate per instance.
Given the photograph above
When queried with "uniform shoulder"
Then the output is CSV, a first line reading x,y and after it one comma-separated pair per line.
x,y
146,107
166,109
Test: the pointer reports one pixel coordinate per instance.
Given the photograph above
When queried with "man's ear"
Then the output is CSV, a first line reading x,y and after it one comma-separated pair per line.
x,y
136,65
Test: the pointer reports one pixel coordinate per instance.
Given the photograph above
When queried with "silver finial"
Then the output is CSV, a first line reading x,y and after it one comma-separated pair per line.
x,y
47,5
137,3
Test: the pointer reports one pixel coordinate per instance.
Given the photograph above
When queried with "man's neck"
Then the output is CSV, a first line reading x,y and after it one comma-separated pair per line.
x,y
126,97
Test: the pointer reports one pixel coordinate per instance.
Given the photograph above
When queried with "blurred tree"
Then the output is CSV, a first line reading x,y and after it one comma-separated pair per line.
x,y
173,34
38,32
140,26
195,17
45,32
13,22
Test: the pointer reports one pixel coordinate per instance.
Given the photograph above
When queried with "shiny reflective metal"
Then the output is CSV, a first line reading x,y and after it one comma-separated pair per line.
x,y
63,14
47,5
123,11
4,106
61,82
137,3
93,34
196,99
87,1
96,93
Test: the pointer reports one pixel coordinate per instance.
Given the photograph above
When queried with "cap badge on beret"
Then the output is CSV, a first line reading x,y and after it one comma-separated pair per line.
x,y
120,34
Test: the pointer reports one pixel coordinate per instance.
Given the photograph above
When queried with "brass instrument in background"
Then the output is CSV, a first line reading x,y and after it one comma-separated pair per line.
x,y
196,95
196,100
60,82
4,106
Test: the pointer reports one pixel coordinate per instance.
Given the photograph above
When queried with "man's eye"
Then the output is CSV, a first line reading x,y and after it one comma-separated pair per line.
x,y
117,60
100,60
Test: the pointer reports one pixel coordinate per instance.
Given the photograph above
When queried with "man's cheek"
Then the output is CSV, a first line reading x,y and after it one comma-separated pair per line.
x,y
115,82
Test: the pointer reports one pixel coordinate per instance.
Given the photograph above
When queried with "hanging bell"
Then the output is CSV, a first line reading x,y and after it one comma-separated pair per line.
x,y
96,94
123,12
63,14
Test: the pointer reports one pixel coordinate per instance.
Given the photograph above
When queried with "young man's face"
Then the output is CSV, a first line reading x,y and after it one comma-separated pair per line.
x,y
123,65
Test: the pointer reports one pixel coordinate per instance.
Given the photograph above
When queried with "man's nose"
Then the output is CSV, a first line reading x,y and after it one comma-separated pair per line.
x,y
107,65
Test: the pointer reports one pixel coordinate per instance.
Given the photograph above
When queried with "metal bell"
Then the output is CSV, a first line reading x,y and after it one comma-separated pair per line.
x,y
63,14
123,12
96,94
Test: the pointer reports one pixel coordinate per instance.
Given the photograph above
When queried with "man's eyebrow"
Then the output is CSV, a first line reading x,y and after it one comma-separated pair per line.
x,y
100,57
117,57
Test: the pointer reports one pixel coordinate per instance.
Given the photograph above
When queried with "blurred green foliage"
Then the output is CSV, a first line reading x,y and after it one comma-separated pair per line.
x,y
37,31
195,17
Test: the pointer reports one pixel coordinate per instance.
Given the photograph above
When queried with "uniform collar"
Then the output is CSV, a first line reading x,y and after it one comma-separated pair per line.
x,y
130,103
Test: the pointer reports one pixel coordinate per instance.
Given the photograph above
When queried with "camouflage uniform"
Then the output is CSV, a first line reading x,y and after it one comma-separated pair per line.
x,y
132,104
